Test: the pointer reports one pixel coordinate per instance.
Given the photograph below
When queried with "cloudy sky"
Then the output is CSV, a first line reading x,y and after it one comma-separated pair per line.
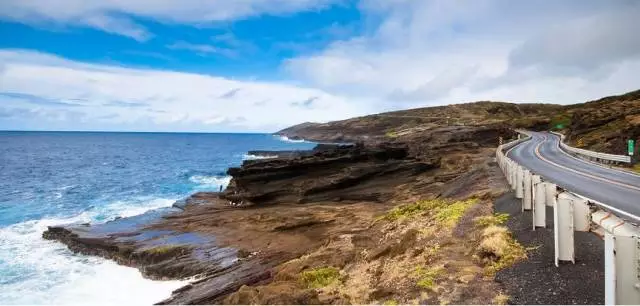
x,y
261,65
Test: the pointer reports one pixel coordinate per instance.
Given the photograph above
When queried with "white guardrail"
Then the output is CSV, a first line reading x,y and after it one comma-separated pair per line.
x,y
571,213
591,154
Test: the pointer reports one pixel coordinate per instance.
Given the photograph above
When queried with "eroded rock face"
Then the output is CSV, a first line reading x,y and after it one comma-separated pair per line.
x,y
340,173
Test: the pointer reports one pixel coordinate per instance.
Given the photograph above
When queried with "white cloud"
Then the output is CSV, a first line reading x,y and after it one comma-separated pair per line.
x,y
114,16
438,52
202,49
73,95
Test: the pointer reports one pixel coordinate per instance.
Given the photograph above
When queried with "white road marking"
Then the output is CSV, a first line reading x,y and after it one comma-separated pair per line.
x,y
537,152
595,164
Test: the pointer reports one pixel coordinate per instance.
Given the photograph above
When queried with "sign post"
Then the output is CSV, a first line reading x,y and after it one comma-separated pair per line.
x,y
631,150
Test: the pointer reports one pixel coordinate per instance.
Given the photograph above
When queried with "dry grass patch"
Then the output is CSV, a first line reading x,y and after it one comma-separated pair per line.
x,y
501,299
499,249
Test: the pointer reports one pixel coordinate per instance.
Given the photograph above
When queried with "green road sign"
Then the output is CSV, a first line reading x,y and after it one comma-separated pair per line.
x,y
631,146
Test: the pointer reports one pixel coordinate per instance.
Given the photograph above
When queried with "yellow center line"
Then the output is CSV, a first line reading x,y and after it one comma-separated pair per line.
x,y
537,151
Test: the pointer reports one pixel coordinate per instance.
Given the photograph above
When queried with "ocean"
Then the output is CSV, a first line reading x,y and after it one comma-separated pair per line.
x,y
53,178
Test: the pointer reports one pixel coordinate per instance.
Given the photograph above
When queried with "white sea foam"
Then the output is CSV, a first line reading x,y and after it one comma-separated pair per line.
x,y
287,139
39,271
211,181
254,157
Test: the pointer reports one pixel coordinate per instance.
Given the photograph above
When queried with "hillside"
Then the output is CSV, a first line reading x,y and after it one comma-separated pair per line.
x,y
602,125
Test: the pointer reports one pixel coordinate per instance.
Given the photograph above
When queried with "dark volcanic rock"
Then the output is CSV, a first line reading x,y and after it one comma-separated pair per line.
x,y
159,254
296,153
338,173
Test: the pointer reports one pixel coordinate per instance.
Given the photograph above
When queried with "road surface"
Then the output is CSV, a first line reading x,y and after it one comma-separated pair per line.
x,y
543,156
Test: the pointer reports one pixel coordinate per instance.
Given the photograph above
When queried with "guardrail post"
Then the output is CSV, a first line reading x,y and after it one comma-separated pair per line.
x,y
563,229
507,172
528,191
539,198
519,182
514,174
609,269
550,193
581,214
622,256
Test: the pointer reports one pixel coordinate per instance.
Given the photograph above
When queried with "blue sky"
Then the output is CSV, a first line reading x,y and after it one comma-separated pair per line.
x,y
261,65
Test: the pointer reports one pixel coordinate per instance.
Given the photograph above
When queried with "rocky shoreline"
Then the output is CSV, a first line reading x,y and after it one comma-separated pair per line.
x,y
278,209
400,212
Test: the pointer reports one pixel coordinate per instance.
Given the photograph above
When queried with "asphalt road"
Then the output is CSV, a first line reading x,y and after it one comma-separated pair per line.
x,y
543,156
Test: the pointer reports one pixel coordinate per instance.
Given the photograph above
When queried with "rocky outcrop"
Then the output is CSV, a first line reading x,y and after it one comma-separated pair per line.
x,y
159,254
339,173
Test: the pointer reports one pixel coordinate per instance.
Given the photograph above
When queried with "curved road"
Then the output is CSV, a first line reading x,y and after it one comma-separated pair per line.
x,y
543,156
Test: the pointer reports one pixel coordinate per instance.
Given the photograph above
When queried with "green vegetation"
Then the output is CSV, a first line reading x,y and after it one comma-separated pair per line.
x,y
391,134
560,121
427,276
495,219
408,210
445,210
636,168
450,214
320,277
390,302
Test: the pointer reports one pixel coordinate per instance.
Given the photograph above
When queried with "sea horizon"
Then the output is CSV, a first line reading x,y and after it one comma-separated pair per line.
x,y
133,132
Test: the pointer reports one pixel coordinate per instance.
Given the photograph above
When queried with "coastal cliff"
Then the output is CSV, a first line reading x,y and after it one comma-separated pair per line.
x,y
402,212
602,125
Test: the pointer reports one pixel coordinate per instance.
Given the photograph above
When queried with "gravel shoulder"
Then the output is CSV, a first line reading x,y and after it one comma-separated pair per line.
x,y
537,280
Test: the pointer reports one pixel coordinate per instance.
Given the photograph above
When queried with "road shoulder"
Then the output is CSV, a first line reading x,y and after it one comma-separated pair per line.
x,y
537,280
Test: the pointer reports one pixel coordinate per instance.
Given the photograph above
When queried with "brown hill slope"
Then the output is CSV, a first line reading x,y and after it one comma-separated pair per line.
x,y
602,125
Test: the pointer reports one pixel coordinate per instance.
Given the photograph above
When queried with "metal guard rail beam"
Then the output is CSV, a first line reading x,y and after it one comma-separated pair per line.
x,y
573,212
592,154
509,145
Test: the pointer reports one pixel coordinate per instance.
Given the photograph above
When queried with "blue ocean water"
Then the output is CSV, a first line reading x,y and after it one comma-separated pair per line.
x,y
51,178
